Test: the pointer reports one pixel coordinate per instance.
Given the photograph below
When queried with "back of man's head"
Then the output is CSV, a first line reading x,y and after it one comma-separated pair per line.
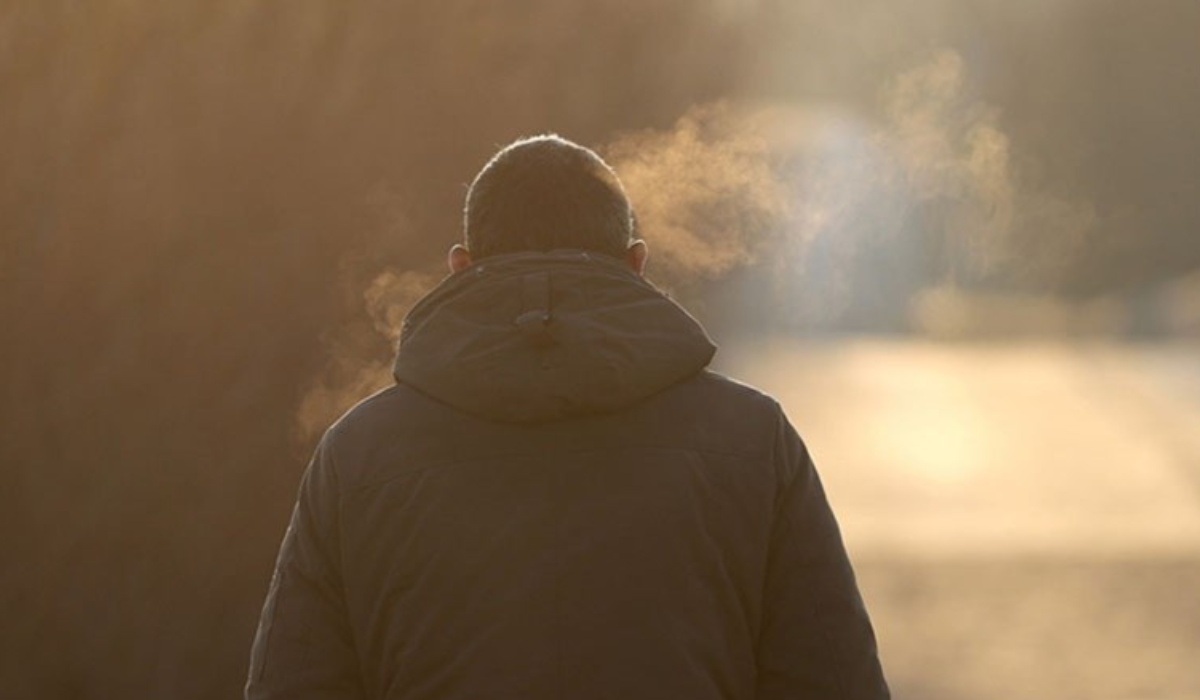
x,y
546,193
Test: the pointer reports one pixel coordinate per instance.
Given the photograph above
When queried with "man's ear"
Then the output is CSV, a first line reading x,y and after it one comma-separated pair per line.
x,y
459,258
636,254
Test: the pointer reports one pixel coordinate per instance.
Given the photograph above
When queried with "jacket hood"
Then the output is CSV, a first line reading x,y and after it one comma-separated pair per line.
x,y
542,336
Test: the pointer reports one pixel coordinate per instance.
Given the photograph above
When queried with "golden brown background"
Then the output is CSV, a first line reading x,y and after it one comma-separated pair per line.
x,y
212,210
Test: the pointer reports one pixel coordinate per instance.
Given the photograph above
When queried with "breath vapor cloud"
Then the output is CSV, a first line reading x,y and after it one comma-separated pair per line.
x,y
850,211
846,212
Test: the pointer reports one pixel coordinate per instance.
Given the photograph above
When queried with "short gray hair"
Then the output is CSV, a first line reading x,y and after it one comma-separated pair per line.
x,y
546,193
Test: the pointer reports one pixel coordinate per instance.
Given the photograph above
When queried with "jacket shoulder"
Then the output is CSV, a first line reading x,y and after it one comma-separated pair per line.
x,y
736,390
715,413
357,431
732,395
365,415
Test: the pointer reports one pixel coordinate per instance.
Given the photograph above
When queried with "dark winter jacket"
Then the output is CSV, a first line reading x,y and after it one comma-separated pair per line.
x,y
558,501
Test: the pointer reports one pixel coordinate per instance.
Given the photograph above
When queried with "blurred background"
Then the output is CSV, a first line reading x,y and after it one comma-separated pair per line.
x,y
959,240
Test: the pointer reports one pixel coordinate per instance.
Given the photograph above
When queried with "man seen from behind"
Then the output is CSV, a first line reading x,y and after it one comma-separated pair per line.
x,y
557,499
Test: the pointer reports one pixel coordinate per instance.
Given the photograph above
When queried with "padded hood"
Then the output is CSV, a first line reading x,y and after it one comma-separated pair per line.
x,y
542,336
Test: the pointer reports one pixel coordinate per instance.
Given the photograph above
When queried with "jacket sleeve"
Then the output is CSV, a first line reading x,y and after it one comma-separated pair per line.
x,y
815,640
304,648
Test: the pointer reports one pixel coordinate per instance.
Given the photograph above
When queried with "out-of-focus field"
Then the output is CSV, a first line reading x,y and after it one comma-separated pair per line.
x,y
1024,516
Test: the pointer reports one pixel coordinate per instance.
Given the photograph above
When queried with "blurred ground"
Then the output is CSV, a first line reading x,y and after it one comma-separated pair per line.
x,y
1024,516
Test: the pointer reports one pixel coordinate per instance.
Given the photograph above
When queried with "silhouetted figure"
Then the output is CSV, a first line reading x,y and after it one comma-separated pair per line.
x,y
557,499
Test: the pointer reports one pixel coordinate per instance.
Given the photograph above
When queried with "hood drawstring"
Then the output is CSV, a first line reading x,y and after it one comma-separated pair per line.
x,y
546,336
534,321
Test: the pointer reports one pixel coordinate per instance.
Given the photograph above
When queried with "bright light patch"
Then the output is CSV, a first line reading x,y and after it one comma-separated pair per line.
x,y
931,448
